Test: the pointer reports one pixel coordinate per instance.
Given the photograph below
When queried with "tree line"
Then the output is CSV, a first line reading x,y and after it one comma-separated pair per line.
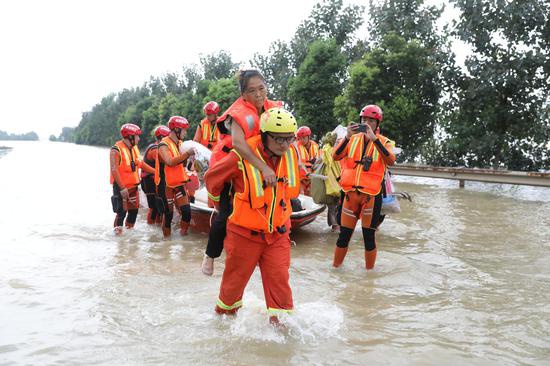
x,y
29,136
492,112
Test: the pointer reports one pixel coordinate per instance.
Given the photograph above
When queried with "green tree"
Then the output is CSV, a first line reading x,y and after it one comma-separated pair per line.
x,y
223,91
501,115
328,19
401,78
218,65
316,85
67,134
277,69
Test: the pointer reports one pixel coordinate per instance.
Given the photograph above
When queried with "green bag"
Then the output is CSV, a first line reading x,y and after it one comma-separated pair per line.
x,y
318,188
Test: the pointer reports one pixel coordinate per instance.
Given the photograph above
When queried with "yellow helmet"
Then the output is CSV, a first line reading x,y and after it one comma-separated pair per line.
x,y
278,120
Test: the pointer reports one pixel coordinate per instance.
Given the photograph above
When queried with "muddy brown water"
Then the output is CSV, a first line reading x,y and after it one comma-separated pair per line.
x,y
463,277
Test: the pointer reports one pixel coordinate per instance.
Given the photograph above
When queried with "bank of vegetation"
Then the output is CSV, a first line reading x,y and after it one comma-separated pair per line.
x,y
29,136
491,112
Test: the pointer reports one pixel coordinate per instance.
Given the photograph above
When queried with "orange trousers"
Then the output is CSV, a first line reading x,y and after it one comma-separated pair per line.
x,y
243,251
357,206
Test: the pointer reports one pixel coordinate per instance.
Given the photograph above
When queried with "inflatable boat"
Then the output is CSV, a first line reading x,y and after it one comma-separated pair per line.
x,y
304,212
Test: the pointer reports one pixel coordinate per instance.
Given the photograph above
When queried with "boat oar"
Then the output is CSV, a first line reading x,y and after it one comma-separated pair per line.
x,y
403,195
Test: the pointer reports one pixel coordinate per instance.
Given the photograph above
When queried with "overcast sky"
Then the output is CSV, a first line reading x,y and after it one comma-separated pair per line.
x,y
59,58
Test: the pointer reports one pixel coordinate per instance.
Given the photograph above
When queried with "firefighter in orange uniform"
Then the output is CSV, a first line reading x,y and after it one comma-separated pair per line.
x,y
148,179
238,123
207,132
309,152
367,155
125,163
170,176
259,224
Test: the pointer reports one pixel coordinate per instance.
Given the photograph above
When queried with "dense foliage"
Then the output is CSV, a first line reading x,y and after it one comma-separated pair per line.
x,y
493,111
29,136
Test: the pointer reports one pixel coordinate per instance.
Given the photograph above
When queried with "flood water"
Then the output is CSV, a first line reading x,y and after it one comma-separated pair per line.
x,y
462,277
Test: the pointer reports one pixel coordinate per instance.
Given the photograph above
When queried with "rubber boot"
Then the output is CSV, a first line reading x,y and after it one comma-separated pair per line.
x,y
207,266
129,225
370,258
150,220
339,255
184,228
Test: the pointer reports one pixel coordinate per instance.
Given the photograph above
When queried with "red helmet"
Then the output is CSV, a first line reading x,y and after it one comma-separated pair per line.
x,y
211,108
372,111
130,129
162,131
303,131
177,122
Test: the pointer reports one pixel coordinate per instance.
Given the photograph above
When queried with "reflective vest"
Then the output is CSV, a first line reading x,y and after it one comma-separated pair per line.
x,y
209,134
174,176
146,160
354,177
128,176
266,209
245,115
313,150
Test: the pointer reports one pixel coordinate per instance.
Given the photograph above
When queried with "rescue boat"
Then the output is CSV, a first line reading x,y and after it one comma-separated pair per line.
x,y
201,215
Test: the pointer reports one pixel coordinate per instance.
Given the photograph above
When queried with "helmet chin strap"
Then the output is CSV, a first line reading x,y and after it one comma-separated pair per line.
x,y
178,133
132,140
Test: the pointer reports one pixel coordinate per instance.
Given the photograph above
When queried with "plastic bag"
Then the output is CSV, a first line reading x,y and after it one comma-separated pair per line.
x,y
201,158
319,189
332,171
390,204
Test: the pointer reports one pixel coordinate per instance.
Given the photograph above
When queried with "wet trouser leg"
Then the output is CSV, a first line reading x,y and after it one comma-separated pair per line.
x,y
348,220
274,265
217,232
181,201
148,187
132,206
332,215
121,212
370,219
242,255
168,209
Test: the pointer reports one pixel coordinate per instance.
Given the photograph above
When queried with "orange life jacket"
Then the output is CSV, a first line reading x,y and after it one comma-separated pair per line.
x,y
210,134
246,115
175,176
313,150
266,209
147,160
306,155
354,177
128,176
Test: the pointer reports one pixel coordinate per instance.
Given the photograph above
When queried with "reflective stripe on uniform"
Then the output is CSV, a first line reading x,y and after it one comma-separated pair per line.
x,y
214,198
238,304
275,311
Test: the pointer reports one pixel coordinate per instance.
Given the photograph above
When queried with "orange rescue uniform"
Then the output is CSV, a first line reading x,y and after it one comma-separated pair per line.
x,y
361,187
128,170
174,192
209,133
308,154
258,227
